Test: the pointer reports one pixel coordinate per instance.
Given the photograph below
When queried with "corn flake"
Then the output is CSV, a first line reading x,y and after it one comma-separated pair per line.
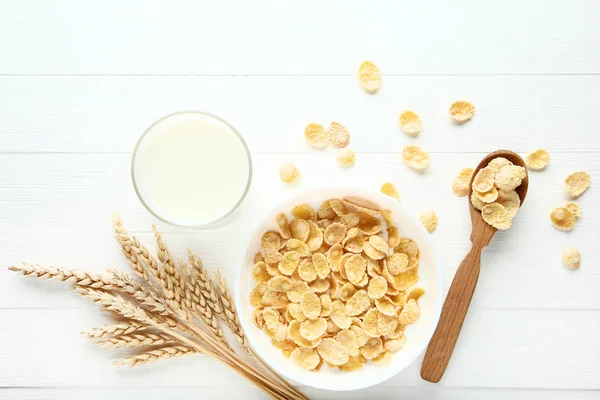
x,y
415,294
368,224
563,218
289,174
319,285
339,316
256,295
410,123
429,220
385,306
389,189
270,253
372,252
358,303
353,364
386,324
310,305
415,158
394,345
335,233
537,159
307,359
293,334
298,246
398,332
405,280
356,268
484,180
313,329
347,338
574,208
369,76
460,185
462,111
498,163
577,183
410,312
370,324
260,274
332,351
509,177
306,270
487,197
571,258
338,135
379,244
496,215
316,136
347,291
377,287
510,201
325,305
279,284
289,262
295,312
315,236
372,348
397,263
299,229
345,157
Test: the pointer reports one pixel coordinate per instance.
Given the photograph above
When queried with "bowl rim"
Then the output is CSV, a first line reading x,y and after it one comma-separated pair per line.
x,y
353,191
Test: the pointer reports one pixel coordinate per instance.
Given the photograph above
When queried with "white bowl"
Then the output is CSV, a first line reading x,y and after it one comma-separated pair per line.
x,y
418,333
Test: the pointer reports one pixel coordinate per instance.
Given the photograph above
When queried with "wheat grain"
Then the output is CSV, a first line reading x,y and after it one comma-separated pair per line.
x,y
137,339
123,328
137,289
162,353
205,285
231,317
77,277
170,273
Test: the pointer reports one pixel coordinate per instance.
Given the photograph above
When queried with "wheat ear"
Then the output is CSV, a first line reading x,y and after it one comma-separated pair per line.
x,y
77,277
137,339
123,328
160,353
170,272
205,285
129,248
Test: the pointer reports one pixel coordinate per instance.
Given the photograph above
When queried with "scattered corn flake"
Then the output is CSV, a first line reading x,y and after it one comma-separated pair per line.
x,y
299,229
563,218
338,135
345,157
289,174
370,323
306,270
325,305
369,76
415,158
460,185
510,201
487,197
410,312
319,285
283,226
509,177
415,293
293,334
484,180
313,329
537,159
476,201
372,252
385,306
394,345
315,236
316,136
389,189
496,215
279,284
358,303
307,359
335,233
577,183
410,123
461,111
575,208
571,258
289,262
347,338
429,220
377,287
310,305
332,351
339,316
372,348
386,324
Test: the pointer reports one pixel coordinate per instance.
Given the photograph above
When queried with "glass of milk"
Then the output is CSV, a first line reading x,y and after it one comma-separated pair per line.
x,y
191,169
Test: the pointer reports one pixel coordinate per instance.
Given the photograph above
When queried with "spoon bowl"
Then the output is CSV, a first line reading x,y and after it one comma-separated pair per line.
x,y
463,285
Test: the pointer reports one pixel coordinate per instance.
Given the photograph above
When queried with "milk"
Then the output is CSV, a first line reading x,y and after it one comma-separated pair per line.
x,y
191,169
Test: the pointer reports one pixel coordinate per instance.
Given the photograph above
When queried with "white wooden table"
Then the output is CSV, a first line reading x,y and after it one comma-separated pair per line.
x,y
80,81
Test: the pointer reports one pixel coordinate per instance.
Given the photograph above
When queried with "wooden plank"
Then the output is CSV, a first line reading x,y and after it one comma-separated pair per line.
x,y
269,37
497,348
108,114
55,209
248,392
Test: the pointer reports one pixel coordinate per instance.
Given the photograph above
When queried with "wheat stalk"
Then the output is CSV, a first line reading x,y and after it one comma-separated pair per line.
x,y
160,353
137,339
123,328
81,278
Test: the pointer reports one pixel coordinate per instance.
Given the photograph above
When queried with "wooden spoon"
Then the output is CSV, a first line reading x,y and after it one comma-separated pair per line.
x,y
459,296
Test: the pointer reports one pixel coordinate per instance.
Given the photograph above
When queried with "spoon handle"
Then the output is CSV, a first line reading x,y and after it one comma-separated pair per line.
x,y
453,315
